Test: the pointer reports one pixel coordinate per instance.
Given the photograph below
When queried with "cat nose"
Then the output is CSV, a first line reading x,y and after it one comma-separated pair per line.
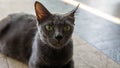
x,y
59,37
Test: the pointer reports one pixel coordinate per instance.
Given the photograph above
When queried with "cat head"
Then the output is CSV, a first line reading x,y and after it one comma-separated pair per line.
x,y
54,29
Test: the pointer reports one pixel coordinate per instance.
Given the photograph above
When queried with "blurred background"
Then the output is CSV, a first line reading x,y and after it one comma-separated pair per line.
x,y
97,21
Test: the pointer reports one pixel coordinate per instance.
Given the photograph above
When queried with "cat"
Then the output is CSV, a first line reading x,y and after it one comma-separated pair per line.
x,y
41,41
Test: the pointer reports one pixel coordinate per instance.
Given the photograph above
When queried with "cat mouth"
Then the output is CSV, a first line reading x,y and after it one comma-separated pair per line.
x,y
58,44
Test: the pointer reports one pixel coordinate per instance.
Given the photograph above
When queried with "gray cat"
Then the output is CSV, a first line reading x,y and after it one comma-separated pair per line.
x,y
41,41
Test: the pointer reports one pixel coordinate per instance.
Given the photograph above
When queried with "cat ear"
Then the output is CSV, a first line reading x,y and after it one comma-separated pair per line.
x,y
72,13
41,12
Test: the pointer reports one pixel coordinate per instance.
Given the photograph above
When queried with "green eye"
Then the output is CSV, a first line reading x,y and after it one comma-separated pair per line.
x,y
49,28
67,28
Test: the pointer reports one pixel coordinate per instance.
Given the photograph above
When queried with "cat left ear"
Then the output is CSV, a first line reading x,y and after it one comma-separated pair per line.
x,y
72,13
41,12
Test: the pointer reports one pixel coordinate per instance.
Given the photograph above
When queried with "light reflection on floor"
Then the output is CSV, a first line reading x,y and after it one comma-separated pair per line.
x,y
97,21
94,11
99,28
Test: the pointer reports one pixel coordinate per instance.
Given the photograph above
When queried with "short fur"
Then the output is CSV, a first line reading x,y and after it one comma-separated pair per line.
x,y
22,39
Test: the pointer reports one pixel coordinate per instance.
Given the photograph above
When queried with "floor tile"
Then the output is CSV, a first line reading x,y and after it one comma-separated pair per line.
x,y
15,64
90,56
1,55
3,63
111,64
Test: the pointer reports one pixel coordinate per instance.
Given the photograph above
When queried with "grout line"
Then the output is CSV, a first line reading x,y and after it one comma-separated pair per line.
x,y
97,50
94,11
107,62
7,62
86,63
78,39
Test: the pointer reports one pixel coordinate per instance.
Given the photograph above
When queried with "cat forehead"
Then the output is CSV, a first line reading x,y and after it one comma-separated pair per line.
x,y
60,19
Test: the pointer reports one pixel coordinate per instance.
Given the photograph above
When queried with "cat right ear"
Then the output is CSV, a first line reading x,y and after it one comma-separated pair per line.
x,y
41,12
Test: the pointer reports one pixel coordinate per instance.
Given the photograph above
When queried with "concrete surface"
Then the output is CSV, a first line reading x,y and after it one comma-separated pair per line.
x,y
96,31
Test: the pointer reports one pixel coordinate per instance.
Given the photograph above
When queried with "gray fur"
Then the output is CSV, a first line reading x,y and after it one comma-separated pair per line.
x,y
25,39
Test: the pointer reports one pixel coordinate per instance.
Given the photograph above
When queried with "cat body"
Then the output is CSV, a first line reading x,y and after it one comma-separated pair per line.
x,y
41,42
17,35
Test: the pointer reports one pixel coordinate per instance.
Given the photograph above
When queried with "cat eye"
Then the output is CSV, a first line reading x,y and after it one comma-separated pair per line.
x,y
49,28
67,28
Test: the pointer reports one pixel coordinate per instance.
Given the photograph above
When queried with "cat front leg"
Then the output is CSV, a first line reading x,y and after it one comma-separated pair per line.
x,y
32,65
38,66
33,62
69,65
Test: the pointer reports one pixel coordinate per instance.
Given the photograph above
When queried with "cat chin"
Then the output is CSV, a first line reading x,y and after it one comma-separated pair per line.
x,y
57,46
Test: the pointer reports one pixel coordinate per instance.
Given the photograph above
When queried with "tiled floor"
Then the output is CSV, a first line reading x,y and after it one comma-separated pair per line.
x,y
101,33
85,56
98,22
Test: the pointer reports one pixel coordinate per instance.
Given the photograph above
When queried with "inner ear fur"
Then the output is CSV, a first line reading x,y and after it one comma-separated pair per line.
x,y
41,12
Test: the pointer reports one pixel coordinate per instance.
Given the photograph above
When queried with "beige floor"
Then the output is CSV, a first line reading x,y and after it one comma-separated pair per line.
x,y
85,56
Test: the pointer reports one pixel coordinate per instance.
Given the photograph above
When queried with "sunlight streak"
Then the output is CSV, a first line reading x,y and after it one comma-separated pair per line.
x,y
94,11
